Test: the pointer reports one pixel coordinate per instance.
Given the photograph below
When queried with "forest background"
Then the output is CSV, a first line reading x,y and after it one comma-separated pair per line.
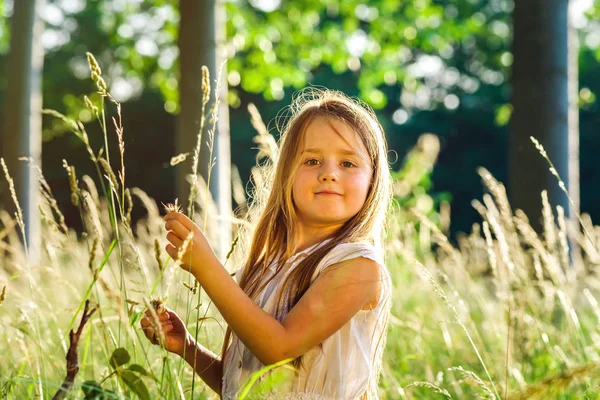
x,y
451,79
503,309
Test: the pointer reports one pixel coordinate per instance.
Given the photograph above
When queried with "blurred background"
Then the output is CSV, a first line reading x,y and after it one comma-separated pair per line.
x,y
447,67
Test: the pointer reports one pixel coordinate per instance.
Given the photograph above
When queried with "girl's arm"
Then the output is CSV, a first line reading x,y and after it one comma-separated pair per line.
x,y
329,303
205,363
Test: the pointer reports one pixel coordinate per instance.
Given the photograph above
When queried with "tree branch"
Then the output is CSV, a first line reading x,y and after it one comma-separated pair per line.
x,y
72,356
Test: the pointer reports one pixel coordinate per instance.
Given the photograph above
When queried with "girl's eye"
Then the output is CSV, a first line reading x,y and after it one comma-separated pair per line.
x,y
348,164
312,161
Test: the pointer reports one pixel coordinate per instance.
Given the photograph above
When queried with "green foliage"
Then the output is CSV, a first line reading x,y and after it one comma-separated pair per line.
x,y
268,380
119,358
4,29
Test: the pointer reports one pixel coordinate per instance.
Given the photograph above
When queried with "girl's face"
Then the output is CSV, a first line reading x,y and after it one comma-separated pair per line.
x,y
334,174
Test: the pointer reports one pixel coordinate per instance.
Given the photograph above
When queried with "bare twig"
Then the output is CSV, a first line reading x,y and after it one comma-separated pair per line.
x,y
72,356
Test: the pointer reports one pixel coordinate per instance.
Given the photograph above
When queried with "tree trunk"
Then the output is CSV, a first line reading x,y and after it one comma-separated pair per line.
x,y
22,127
574,189
541,108
202,42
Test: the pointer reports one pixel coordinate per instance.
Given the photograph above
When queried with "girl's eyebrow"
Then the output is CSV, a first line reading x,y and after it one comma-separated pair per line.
x,y
339,151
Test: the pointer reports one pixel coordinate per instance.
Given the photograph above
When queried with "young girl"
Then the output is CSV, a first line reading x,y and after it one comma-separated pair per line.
x,y
314,287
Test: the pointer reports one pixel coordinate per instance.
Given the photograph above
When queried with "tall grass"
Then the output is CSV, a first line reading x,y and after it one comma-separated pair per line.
x,y
500,314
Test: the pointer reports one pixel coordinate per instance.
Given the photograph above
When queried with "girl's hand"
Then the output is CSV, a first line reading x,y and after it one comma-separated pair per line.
x,y
197,253
169,331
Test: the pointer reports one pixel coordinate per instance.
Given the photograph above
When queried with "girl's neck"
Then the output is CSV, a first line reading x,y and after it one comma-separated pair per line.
x,y
309,236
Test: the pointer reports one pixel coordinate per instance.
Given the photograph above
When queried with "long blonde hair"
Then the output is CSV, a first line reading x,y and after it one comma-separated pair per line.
x,y
273,240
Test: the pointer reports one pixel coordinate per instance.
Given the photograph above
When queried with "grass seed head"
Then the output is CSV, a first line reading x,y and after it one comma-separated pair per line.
x,y
109,172
157,304
13,194
128,205
157,254
72,183
93,64
173,207
179,158
91,106
205,84
93,253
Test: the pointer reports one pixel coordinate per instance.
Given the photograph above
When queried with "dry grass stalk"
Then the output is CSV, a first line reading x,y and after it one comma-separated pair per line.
x,y
91,107
155,306
593,302
470,376
439,237
184,247
267,146
498,190
110,175
531,237
157,254
121,142
543,389
92,214
549,227
76,127
232,248
73,184
494,218
238,192
93,254
92,190
562,237
196,158
537,267
431,386
96,75
128,207
179,158
424,272
8,228
13,195
562,186
490,250
48,196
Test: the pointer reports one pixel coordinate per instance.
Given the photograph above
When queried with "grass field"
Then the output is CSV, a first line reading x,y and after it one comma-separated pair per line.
x,y
504,313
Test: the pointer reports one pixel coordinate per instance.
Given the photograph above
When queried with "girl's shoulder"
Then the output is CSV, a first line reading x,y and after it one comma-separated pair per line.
x,y
349,250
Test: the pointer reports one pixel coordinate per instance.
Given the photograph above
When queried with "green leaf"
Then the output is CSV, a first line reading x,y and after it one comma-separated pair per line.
x,y
119,357
135,383
254,377
139,369
135,317
91,389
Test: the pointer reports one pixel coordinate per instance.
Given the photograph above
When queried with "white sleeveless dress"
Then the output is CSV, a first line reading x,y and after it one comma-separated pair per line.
x,y
347,366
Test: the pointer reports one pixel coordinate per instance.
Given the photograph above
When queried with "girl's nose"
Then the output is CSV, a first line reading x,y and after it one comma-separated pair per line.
x,y
328,173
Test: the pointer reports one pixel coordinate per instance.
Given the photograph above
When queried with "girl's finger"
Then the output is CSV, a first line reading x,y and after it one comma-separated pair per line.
x,y
171,250
181,218
173,238
149,315
149,332
177,228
